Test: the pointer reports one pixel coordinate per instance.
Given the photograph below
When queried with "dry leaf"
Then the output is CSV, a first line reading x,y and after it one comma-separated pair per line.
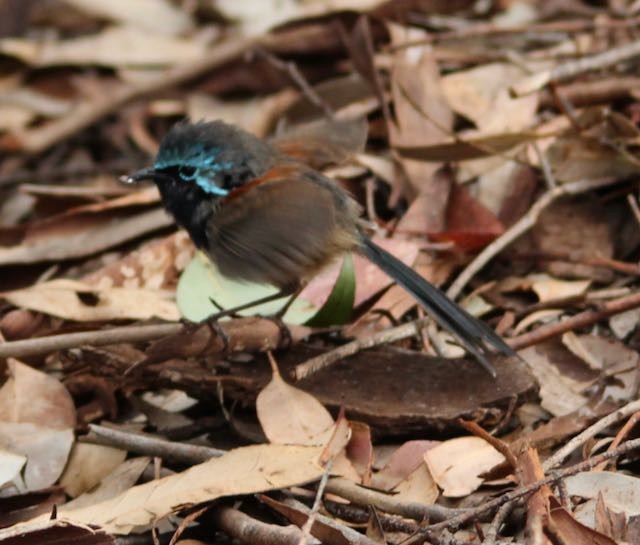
x,y
10,466
456,464
115,483
245,470
37,417
289,415
35,397
560,394
419,486
73,300
46,450
167,18
403,461
121,47
620,493
87,466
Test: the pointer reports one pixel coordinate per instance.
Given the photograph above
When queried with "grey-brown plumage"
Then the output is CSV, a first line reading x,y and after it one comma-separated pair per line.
x,y
262,214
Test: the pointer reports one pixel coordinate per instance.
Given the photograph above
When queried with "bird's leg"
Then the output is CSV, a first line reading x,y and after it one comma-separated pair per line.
x,y
274,296
294,295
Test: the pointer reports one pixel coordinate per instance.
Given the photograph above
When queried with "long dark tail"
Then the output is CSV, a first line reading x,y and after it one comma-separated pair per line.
x,y
474,335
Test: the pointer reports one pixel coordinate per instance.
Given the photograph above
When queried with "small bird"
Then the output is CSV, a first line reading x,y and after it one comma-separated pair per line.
x,y
263,215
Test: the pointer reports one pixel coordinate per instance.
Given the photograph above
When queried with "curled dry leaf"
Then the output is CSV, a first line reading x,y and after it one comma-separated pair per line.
x,y
456,464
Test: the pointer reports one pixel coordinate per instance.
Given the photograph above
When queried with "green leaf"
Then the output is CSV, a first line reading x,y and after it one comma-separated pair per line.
x,y
201,281
337,309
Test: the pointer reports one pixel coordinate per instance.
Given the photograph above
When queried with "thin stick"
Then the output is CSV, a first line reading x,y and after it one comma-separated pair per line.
x,y
322,361
100,337
583,319
574,68
360,495
525,223
142,443
502,447
315,508
590,432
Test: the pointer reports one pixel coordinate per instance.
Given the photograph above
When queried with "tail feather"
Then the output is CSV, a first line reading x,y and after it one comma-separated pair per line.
x,y
474,335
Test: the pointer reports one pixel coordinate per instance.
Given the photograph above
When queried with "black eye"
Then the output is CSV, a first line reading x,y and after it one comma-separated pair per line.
x,y
187,172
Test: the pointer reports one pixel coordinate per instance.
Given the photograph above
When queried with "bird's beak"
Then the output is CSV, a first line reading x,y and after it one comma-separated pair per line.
x,y
148,173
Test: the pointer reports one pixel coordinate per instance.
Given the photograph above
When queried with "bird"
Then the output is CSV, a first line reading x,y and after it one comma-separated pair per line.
x,y
263,212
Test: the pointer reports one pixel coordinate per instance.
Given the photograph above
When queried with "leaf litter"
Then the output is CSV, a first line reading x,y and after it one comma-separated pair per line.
x,y
493,147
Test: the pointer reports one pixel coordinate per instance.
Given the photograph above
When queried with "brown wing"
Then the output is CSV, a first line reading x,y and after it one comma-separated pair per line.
x,y
281,228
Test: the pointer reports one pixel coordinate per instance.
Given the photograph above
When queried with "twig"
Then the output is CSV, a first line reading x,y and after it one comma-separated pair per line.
x,y
633,204
246,529
327,359
491,29
590,432
573,68
172,339
502,447
315,508
525,223
100,337
521,492
365,496
142,443
621,435
491,535
583,319
349,535
360,515
291,68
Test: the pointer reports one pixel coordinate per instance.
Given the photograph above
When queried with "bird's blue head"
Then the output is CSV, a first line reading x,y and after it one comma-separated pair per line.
x,y
212,156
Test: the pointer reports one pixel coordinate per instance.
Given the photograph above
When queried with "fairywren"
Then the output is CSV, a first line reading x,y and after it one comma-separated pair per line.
x,y
263,215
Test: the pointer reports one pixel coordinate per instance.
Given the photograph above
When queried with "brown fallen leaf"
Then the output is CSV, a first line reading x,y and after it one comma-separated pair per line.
x,y
32,396
244,470
403,461
123,477
561,229
569,530
468,224
78,301
422,117
84,230
87,466
37,417
456,464
289,415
